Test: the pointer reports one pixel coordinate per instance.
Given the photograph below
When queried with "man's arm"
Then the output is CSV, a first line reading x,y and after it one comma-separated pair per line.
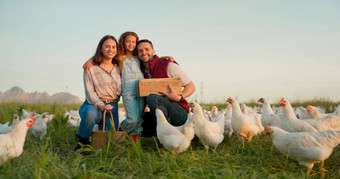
x,y
188,90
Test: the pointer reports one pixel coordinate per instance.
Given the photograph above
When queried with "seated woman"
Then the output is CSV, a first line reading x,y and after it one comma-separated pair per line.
x,y
102,89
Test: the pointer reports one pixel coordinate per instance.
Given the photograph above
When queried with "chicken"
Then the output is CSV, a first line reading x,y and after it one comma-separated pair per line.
x,y
301,113
209,133
289,122
250,112
4,128
40,127
268,117
305,147
121,115
27,114
313,113
16,119
214,114
73,118
12,143
327,123
48,117
228,130
246,127
175,139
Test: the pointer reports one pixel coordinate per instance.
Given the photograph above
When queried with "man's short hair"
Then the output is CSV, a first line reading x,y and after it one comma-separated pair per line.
x,y
144,40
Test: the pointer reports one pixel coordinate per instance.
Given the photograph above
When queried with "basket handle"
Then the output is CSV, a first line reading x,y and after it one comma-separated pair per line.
x,y
112,122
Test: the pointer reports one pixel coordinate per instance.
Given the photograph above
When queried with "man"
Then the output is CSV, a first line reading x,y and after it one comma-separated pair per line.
x,y
173,106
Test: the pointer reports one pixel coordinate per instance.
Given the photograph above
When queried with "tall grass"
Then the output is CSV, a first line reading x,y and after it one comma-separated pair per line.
x,y
53,157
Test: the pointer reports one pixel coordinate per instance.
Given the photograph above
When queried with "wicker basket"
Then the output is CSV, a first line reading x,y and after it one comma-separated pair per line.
x,y
100,138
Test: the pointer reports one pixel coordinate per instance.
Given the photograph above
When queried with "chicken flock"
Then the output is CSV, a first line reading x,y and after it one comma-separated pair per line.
x,y
307,135
304,134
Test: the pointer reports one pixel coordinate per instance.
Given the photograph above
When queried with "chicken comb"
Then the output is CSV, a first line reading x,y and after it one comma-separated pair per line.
x,y
282,99
31,117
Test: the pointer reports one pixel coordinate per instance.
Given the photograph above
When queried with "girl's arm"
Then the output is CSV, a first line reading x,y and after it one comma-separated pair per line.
x,y
88,64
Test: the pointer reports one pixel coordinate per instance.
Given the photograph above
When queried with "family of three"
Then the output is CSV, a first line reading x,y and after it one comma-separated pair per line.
x,y
114,71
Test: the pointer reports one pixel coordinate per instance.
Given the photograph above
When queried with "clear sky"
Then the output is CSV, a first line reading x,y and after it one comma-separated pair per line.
x,y
243,49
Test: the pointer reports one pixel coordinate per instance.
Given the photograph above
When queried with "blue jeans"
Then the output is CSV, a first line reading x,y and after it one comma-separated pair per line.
x,y
90,115
178,115
134,106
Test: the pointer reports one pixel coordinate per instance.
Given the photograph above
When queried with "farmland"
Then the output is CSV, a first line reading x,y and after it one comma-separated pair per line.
x,y
53,157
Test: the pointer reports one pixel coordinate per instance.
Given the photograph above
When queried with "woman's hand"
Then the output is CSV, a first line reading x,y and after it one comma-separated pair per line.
x,y
88,64
107,107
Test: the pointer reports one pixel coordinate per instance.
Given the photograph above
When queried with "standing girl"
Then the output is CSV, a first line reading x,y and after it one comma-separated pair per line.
x,y
129,65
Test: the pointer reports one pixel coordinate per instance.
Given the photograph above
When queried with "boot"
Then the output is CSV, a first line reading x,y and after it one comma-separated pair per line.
x,y
82,140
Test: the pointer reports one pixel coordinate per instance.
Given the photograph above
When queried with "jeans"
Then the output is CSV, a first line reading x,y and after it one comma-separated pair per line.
x,y
134,106
90,115
173,112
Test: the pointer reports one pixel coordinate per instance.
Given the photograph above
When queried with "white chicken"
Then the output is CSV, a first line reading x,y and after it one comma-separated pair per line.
x,y
27,114
40,127
175,139
16,119
228,130
209,133
305,147
250,112
301,113
327,123
48,117
313,113
214,114
12,143
243,125
289,121
122,115
268,117
73,118
5,128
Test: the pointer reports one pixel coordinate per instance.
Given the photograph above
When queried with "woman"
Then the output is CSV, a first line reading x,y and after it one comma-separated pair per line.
x,y
102,90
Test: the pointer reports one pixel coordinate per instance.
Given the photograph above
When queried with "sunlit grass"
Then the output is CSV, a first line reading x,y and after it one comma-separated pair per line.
x,y
53,157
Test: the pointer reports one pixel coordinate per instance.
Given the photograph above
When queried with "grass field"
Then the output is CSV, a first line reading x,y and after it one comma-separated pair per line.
x,y
53,157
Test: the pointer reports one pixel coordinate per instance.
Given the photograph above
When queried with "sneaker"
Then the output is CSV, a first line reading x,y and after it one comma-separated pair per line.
x,y
135,137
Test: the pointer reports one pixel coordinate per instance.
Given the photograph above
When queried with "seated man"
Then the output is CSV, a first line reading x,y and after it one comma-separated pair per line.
x,y
173,106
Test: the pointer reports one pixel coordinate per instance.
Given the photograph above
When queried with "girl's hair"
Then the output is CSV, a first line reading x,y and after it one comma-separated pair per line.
x,y
122,38
98,56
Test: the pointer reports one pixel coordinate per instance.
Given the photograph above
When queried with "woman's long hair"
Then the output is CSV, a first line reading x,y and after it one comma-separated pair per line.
x,y
121,45
98,56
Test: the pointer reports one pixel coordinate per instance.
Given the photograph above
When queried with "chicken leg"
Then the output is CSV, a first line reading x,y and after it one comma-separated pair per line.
x,y
323,170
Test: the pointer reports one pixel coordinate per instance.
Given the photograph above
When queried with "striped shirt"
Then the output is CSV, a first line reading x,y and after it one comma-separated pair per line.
x,y
100,84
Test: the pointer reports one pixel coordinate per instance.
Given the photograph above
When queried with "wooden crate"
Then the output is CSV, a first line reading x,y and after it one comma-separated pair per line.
x,y
153,85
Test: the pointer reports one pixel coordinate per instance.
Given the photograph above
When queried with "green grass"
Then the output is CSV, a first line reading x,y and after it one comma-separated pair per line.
x,y
53,157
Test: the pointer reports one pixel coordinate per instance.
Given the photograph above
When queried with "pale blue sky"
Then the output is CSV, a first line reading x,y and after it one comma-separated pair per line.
x,y
243,49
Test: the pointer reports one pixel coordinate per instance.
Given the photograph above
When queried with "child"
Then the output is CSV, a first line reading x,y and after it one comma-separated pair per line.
x,y
129,65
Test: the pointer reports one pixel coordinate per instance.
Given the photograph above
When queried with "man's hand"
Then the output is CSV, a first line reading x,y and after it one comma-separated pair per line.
x,y
168,58
173,96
